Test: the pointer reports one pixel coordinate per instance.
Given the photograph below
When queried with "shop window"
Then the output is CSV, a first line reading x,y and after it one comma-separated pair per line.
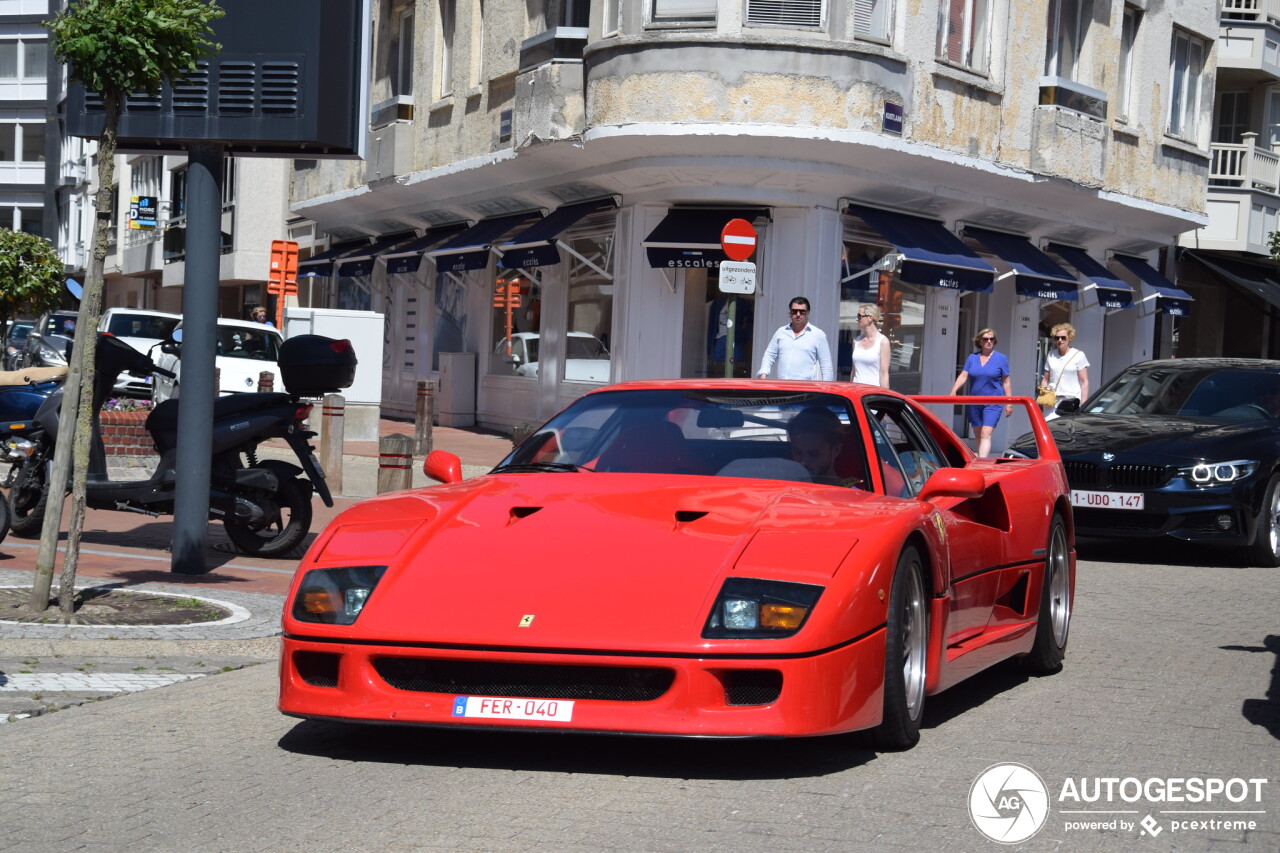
x,y
516,323
901,305
590,321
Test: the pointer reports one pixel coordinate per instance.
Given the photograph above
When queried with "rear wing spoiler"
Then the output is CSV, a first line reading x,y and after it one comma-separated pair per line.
x,y
1046,447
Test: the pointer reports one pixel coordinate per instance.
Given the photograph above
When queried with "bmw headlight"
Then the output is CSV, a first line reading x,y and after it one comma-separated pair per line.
x,y
1218,473
753,608
335,596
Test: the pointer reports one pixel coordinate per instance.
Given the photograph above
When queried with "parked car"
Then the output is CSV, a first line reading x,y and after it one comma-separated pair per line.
x,y
245,350
587,358
1185,448
15,340
635,566
142,330
49,340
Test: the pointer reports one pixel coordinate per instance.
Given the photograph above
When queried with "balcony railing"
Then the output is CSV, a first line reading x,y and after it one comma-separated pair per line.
x,y
1245,165
1262,11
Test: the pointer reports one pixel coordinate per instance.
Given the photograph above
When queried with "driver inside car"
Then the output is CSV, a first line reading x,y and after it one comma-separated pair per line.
x,y
815,435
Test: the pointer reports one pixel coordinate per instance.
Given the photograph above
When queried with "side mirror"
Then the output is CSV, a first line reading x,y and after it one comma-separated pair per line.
x,y
954,483
443,466
173,345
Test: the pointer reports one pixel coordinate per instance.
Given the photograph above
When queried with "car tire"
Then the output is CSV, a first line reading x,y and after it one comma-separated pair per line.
x,y
906,650
1053,622
1265,550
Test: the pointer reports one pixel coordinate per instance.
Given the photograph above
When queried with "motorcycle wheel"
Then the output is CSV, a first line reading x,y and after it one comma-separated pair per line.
x,y
281,534
27,500
4,519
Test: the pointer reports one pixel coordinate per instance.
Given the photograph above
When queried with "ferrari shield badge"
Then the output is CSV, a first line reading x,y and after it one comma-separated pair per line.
x,y
526,620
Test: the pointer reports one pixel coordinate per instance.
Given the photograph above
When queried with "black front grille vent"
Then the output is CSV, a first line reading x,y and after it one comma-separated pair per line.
x,y
532,681
1091,475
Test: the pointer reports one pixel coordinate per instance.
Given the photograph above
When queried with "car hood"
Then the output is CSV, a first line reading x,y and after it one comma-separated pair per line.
x,y
625,561
1165,438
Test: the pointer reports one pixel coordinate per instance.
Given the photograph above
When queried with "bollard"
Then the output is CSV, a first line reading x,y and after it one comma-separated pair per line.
x,y
266,382
424,414
395,462
333,412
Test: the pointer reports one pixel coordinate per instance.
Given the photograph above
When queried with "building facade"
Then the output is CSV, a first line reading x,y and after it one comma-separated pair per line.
x,y
1227,264
25,147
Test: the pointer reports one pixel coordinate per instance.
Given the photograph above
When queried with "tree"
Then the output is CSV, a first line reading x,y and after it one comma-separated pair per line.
x,y
115,48
30,275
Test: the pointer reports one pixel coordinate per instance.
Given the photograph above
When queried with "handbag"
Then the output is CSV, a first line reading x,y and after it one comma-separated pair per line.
x,y
1048,395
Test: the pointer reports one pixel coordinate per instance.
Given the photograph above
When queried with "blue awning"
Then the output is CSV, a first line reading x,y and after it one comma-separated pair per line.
x,y
536,245
360,262
690,237
321,265
932,255
470,249
1034,273
1170,299
1113,293
407,257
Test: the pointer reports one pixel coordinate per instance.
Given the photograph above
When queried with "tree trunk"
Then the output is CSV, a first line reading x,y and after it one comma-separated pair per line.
x,y
75,419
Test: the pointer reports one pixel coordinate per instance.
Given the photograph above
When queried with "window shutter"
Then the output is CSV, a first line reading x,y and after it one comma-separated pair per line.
x,y
786,13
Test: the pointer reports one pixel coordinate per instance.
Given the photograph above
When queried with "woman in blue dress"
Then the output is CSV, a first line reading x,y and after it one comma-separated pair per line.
x,y
987,371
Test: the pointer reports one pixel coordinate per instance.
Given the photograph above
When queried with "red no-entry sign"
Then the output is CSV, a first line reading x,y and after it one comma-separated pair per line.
x,y
738,239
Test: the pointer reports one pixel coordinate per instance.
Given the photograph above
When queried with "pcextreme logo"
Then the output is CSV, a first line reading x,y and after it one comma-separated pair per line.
x,y
1009,803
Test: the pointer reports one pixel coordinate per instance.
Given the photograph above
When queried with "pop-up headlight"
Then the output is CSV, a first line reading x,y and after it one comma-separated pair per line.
x,y
754,608
335,596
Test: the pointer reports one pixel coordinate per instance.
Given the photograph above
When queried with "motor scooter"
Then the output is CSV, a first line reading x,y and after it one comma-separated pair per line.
x,y
264,505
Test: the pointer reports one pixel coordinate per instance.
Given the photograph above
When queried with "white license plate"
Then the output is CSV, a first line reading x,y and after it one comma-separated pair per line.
x,y
1108,500
506,708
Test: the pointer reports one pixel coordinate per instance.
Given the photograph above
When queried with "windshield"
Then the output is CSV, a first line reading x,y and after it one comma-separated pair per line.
x,y
1223,393
796,437
141,326
60,324
257,344
588,348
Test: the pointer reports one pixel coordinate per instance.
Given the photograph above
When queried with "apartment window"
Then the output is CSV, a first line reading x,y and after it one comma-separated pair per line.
x,y
23,59
402,80
609,24
448,24
577,13
22,143
962,32
1128,38
1233,117
1064,45
872,18
31,220
787,13
1272,136
144,176
686,12
1186,71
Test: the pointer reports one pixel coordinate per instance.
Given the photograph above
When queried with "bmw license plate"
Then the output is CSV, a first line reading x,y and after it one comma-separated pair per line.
x,y
1108,500
505,708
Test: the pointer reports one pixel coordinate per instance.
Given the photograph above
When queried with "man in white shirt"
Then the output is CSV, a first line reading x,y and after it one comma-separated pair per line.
x,y
799,349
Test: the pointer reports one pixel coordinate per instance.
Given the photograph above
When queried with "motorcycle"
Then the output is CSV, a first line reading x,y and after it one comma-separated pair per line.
x,y
22,392
264,505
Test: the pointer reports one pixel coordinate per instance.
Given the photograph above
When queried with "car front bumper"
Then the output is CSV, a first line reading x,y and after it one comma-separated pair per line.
x,y
828,692
1223,515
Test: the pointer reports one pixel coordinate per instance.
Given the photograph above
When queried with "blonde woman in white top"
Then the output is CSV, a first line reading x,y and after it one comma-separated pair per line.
x,y
870,349
1066,371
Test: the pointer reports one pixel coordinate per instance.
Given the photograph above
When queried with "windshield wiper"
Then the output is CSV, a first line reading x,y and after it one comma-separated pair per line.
x,y
525,467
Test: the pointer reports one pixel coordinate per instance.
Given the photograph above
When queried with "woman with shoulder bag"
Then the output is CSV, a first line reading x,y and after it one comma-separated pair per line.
x,y
1066,374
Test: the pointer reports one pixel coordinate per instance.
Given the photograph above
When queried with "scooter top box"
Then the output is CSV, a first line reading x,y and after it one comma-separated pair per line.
x,y
313,365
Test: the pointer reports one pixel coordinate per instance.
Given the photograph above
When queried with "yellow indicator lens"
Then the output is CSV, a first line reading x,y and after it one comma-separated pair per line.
x,y
784,616
319,601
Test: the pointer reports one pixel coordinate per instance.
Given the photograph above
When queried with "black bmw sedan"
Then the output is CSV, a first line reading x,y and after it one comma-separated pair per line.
x,y
1187,448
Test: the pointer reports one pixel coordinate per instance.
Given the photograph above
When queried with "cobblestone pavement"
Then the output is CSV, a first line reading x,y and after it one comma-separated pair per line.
x,y
1172,673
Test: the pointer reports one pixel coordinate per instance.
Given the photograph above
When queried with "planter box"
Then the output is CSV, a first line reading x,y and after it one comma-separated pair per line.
x,y
125,434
